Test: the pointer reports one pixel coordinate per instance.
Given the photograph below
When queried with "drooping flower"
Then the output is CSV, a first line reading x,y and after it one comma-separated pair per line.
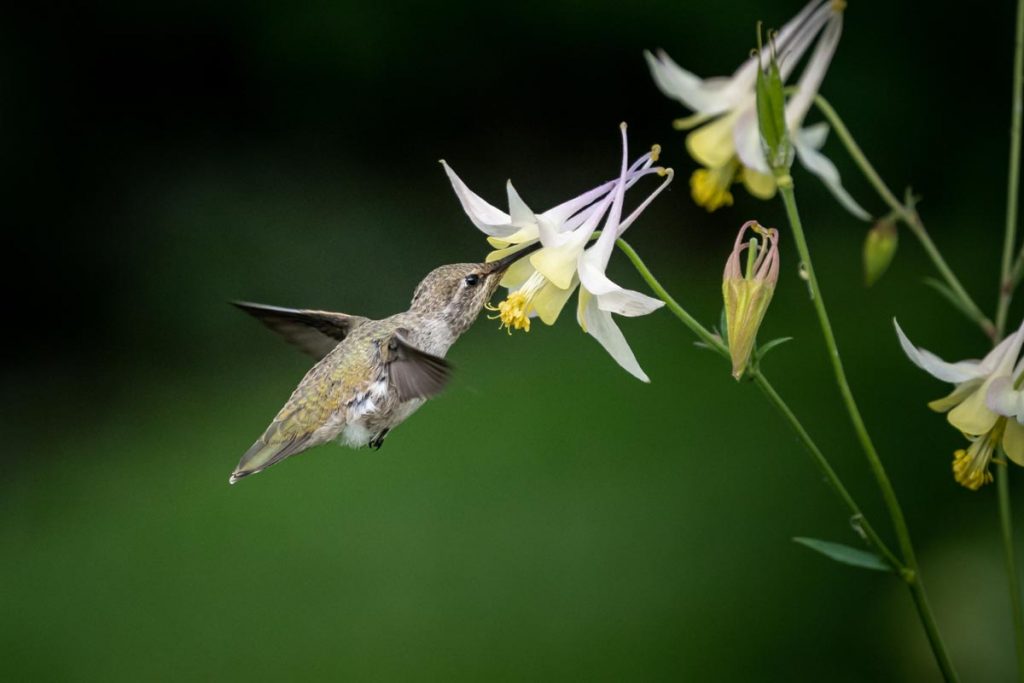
x,y
747,290
982,398
542,284
726,140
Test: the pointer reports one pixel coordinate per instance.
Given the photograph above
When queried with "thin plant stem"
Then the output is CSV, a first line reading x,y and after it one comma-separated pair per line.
x,y
715,343
1013,175
1006,523
912,576
909,215
1007,284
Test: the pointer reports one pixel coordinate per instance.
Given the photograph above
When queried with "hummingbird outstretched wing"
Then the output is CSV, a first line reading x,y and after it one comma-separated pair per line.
x,y
314,332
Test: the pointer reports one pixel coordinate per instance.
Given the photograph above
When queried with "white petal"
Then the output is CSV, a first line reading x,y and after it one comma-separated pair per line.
x,y
600,326
628,303
563,212
1002,398
814,135
520,212
488,219
746,137
818,164
935,366
709,96
1000,359
814,72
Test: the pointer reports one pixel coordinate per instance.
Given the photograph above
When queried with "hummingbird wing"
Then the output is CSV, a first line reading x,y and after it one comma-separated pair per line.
x,y
414,372
314,332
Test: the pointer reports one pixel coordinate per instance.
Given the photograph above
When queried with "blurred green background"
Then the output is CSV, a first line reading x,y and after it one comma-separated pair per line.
x,y
548,517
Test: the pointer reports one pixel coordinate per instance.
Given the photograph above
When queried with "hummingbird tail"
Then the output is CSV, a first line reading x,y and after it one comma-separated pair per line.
x,y
262,455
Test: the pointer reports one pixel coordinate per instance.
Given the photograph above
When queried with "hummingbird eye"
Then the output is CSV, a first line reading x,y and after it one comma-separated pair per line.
x,y
472,279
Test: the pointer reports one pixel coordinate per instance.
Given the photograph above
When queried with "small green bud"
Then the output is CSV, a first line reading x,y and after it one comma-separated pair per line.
x,y
747,288
771,110
879,249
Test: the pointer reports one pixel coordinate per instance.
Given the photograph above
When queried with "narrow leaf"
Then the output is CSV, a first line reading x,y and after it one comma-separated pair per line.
x,y
948,295
763,350
845,554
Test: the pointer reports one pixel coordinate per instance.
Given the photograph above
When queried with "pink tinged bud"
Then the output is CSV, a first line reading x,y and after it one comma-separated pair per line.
x,y
747,288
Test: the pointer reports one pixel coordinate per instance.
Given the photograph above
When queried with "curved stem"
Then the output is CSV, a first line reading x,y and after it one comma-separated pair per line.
x,y
1006,284
912,576
715,343
1006,524
908,214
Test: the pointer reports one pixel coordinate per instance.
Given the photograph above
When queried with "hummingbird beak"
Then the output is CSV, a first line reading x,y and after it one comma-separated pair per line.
x,y
502,264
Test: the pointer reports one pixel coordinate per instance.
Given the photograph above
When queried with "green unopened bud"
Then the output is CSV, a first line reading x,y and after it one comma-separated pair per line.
x,y
771,110
879,249
747,288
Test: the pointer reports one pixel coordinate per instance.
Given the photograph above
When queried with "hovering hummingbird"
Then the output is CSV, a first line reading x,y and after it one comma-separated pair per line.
x,y
371,374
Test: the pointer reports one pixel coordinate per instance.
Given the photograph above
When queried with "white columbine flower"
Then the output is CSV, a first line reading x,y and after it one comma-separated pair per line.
x,y
979,404
728,144
542,284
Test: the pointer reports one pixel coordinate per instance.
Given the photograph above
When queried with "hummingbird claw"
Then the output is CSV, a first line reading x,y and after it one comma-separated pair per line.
x,y
378,440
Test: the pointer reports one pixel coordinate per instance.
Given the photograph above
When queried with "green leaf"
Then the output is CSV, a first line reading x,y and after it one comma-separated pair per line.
x,y
845,554
763,350
948,295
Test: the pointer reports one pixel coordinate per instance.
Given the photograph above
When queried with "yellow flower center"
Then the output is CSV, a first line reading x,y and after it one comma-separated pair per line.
x,y
970,467
514,312
710,186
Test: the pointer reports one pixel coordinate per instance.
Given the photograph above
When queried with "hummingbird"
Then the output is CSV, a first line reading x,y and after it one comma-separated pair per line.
x,y
370,375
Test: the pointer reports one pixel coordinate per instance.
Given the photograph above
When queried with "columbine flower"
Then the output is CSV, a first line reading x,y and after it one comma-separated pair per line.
x,y
748,290
727,143
542,284
978,405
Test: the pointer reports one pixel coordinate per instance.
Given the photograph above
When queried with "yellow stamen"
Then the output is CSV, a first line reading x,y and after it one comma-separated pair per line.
x,y
655,152
838,5
970,467
710,186
514,312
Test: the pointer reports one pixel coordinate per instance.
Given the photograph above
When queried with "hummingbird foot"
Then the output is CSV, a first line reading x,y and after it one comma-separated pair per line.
x,y
378,440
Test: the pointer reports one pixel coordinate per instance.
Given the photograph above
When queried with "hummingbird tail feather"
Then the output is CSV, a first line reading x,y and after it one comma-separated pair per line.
x,y
262,455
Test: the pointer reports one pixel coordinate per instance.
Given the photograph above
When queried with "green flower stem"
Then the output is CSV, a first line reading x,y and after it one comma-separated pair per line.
x,y
1006,284
714,342
913,575
908,214
1006,523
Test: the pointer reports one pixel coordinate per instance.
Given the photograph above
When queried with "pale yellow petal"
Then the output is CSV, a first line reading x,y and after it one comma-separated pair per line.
x,y
1013,441
517,274
550,301
956,397
558,264
712,144
973,416
758,184
522,235
581,316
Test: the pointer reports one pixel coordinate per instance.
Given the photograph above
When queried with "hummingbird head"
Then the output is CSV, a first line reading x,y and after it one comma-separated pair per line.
x,y
458,291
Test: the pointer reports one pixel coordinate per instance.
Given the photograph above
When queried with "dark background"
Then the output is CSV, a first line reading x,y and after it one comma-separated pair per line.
x,y
548,517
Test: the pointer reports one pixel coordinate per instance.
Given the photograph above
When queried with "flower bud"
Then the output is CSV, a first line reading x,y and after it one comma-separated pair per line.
x,y
747,289
879,249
